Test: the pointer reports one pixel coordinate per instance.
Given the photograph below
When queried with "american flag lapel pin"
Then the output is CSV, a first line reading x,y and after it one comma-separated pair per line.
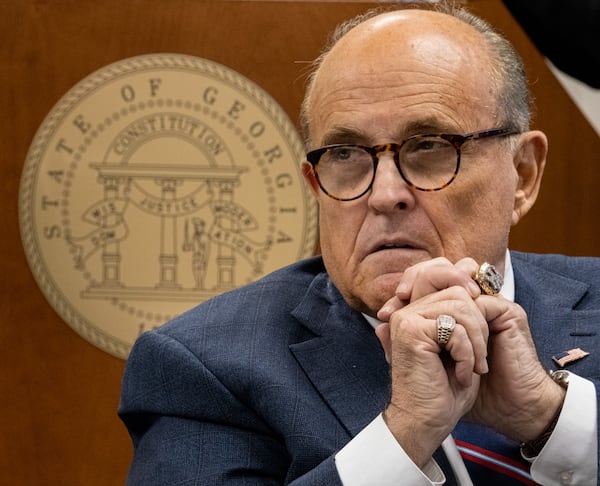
x,y
566,357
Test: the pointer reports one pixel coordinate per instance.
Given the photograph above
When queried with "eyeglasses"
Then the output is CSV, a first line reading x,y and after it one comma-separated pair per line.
x,y
426,162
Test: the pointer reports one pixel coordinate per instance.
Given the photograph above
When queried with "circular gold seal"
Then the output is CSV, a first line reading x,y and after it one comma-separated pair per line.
x,y
154,184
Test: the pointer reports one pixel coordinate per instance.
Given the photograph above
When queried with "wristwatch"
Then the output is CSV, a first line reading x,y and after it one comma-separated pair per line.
x,y
561,377
532,449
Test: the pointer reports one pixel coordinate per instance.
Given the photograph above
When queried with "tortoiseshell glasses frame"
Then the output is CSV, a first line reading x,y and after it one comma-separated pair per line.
x,y
426,162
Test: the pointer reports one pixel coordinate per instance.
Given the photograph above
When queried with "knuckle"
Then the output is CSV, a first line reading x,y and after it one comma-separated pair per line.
x,y
459,332
462,306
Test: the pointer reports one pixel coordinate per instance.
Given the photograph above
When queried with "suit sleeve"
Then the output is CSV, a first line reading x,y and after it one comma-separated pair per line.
x,y
188,428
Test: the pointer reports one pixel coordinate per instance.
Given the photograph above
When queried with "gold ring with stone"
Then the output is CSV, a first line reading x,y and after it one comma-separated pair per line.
x,y
489,279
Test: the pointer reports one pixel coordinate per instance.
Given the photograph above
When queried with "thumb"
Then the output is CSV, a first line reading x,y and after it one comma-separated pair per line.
x,y
383,334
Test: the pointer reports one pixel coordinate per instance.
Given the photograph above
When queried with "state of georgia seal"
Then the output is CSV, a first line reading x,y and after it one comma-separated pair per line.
x,y
154,184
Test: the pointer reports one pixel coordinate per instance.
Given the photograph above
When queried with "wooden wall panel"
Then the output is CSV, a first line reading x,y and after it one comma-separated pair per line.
x,y
565,217
58,423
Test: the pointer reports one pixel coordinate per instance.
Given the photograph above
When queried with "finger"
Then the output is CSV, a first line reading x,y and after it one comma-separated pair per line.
x,y
437,274
383,334
507,322
478,333
391,306
469,267
429,277
455,302
460,349
500,313
466,312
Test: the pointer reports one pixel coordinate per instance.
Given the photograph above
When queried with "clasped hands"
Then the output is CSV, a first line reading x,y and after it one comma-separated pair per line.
x,y
487,372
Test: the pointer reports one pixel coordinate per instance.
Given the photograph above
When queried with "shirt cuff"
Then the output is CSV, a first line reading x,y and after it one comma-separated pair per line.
x,y
375,457
570,455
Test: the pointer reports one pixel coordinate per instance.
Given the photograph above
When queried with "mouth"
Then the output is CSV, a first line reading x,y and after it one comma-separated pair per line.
x,y
392,245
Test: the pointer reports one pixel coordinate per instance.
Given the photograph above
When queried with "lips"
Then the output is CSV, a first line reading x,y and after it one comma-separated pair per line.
x,y
392,244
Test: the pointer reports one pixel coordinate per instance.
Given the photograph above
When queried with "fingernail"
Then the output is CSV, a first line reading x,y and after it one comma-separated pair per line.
x,y
484,367
384,311
402,288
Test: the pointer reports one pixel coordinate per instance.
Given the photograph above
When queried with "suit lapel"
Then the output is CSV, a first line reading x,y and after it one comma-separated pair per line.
x,y
551,302
343,359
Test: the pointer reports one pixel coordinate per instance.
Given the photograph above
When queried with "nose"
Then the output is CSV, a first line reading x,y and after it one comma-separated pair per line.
x,y
389,191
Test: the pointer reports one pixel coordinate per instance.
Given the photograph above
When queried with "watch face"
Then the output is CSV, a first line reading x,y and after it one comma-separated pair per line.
x,y
561,377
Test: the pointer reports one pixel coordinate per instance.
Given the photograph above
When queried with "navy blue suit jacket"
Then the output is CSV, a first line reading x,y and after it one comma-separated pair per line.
x,y
264,384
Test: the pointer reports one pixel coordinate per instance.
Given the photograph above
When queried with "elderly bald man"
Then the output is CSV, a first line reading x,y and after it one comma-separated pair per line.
x,y
415,349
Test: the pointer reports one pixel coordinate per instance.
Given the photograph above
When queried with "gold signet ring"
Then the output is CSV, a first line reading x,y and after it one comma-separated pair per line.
x,y
489,279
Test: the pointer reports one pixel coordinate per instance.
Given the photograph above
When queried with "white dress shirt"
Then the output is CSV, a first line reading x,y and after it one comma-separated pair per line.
x,y
374,457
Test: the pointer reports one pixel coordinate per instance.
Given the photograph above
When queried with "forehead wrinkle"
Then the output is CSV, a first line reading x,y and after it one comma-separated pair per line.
x,y
440,81
439,106
366,86
415,116
447,49
426,125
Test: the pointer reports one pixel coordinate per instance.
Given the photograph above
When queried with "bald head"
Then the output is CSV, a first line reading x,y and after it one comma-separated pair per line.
x,y
416,46
390,34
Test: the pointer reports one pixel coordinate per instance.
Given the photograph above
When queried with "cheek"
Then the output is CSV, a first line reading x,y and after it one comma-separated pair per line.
x,y
481,215
338,228
486,190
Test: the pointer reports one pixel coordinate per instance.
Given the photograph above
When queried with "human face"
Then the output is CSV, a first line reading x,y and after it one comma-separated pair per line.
x,y
401,74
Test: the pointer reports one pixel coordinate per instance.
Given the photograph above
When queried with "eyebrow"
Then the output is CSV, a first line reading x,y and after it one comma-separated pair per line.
x,y
348,135
345,135
428,126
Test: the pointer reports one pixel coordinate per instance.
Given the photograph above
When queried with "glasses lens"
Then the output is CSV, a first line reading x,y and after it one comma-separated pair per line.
x,y
345,171
428,162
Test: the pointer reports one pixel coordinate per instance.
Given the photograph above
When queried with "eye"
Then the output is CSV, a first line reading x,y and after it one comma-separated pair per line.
x,y
343,154
428,144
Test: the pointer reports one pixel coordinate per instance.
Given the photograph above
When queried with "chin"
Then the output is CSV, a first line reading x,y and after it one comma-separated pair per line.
x,y
376,292
393,261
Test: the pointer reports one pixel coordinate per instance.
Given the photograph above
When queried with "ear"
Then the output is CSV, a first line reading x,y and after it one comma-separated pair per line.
x,y
310,177
529,160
